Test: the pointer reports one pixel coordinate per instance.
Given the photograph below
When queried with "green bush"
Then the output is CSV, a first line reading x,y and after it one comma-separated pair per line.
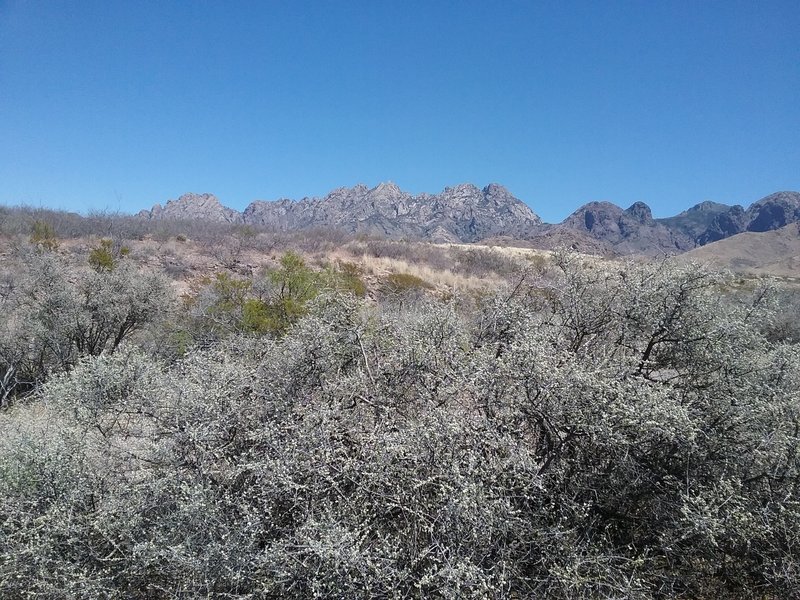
x,y
106,256
44,236
257,317
347,277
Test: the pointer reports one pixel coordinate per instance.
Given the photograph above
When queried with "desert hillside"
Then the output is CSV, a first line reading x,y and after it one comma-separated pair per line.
x,y
775,253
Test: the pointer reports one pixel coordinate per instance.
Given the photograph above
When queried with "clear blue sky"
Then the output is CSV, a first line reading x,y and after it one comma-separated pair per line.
x,y
119,104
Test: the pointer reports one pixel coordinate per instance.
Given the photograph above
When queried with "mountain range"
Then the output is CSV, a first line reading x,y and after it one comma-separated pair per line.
x,y
465,213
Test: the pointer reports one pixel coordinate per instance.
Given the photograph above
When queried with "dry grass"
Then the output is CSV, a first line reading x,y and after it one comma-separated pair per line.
x,y
440,279
772,253
446,267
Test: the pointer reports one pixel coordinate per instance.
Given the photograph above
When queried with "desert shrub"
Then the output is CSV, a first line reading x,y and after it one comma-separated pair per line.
x,y
396,284
215,307
436,257
17,220
348,277
316,240
174,266
44,236
54,315
660,388
101,258
269,304
256,316
115,305
624,435
537,262
482,262
107,254
288,289
785,323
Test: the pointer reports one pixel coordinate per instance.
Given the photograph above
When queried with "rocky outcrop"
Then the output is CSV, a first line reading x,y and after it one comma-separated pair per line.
x,y
193,206
773,212
463,213
629,231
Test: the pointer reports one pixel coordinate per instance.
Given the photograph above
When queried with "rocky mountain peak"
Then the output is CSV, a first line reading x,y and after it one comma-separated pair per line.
x,y
466,213
594,214
461,213
497,194
387,188
640,211
387,193
706,206
461,191
774,211
624,231
785,197
193,206
495,189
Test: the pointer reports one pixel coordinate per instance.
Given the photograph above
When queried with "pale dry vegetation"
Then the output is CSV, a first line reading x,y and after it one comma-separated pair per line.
x,y
306,420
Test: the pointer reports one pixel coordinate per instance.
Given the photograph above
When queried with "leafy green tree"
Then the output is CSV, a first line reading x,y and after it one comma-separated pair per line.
x,y
290,288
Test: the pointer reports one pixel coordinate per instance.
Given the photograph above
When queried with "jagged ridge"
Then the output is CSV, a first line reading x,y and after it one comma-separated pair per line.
x,y
465,213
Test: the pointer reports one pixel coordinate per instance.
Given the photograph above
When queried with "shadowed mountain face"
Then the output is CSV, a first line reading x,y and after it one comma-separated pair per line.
x,y
629,231
707,222
634,231
774,211
465,213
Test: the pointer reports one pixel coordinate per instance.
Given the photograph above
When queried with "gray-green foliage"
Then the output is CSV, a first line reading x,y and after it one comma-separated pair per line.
x,y
269,304
594,433
54,314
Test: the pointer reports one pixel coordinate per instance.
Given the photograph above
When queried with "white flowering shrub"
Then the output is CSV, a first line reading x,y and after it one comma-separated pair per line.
x,y
588,433
55,314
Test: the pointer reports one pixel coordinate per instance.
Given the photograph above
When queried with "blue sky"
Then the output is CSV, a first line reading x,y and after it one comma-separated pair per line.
x,y
118,105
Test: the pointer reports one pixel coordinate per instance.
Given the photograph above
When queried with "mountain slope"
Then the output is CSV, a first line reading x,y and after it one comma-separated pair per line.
x,y
774,252
707,222
634,231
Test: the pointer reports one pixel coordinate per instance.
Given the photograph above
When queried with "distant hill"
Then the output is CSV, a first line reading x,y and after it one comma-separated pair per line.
x,y
466,213
707,222
634,231
629,231
774,252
